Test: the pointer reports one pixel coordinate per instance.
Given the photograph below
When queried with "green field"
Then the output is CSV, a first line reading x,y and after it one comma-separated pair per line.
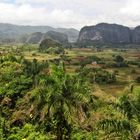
x,y
125,75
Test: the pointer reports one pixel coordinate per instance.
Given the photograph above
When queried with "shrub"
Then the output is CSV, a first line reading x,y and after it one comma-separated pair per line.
x,y
138,79
133,71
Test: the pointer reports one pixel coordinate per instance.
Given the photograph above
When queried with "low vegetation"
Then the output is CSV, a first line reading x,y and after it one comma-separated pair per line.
x,y
72,94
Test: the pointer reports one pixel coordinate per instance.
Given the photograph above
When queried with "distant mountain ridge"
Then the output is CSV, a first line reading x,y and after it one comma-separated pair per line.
x,y
102,32
15,32
110,33
37,37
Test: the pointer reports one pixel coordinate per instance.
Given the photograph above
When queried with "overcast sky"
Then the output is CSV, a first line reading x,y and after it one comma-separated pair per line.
x,y
70,13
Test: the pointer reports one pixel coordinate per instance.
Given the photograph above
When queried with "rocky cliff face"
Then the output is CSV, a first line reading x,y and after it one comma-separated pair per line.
x,y
136,35
109,33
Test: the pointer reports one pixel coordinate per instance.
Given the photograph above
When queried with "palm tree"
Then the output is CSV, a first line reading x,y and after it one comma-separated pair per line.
x,y
56,98
128,124
33,69
66,94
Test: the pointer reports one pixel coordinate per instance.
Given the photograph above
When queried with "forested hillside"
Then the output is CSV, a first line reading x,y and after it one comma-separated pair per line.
x,y
17,33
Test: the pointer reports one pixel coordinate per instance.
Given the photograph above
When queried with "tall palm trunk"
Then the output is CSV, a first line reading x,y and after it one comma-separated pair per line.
x,y
59,133
60,123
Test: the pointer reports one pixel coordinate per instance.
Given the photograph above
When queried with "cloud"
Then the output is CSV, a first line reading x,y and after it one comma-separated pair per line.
x,y
23,14
70,13
132,8
28,15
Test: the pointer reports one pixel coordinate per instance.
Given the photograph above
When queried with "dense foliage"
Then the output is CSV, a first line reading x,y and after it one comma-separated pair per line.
x,y
50,46
41,100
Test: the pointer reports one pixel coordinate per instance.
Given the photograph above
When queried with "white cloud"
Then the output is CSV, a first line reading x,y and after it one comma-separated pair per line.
x,y
70,13
23,14
29,15
31,1
132,8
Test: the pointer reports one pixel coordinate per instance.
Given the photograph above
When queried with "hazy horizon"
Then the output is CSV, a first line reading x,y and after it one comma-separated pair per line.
x,y
66,27
70,14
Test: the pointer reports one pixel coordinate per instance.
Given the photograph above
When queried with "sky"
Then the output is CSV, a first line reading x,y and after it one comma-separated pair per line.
x,y
70,13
